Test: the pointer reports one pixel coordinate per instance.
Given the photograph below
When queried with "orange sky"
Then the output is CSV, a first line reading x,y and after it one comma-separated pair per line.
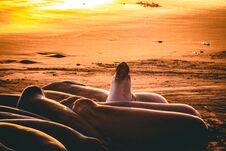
x,y
63,15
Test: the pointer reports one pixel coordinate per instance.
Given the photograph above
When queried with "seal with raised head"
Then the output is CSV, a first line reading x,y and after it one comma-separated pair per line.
x,y
120,89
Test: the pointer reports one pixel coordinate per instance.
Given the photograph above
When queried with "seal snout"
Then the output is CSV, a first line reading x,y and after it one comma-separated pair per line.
x,y
122,71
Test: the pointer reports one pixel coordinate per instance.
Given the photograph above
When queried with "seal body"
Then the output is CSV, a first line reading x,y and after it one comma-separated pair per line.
x,y
78,90
141,129
149,97
120,89
29,138
71,139
34,100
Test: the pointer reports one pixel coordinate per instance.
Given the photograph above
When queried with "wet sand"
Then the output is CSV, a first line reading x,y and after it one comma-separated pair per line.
x,y
199,83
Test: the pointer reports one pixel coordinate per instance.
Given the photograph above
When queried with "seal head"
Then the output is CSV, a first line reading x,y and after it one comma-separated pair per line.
x,y
122,71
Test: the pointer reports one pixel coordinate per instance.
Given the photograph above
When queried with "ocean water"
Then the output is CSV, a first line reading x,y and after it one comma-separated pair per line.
x,y
110,31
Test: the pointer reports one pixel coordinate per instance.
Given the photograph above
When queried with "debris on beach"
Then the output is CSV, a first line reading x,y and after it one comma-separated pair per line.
x,y
158,41
198,52
106,65
147,4
205,43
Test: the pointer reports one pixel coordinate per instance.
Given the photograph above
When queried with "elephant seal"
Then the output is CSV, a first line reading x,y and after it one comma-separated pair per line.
x,y
71,139
69,101
8,115
20,112
33,100
57,96
79,90
120,89
29,139
173,107
141,129
12,99
5,148
9,99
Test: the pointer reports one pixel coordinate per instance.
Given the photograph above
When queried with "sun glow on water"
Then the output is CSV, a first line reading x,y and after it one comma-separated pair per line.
x,y
76,4
46,15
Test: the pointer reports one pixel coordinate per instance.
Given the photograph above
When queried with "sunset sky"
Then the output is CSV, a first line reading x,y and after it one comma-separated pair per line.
x,y
64,15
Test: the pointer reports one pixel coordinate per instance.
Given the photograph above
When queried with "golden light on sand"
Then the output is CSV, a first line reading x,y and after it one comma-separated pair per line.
x,y
77,4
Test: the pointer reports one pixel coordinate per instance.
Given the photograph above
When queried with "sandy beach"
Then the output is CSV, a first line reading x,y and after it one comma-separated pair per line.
x,y
197,83
177,50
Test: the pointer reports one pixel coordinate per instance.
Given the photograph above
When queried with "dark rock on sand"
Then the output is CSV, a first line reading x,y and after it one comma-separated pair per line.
x,y
57,56
27,62
218,55
106,65
7,61
52,54
45,53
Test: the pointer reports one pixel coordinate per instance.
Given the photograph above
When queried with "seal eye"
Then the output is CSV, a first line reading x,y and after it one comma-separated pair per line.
x,y
122,71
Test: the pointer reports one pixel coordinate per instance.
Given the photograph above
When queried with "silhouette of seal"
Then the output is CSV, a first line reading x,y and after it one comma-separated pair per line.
x,y
71,139
78,90
33,100
141,129
8,115
9,99
20,112
173,107
24,138
5,148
